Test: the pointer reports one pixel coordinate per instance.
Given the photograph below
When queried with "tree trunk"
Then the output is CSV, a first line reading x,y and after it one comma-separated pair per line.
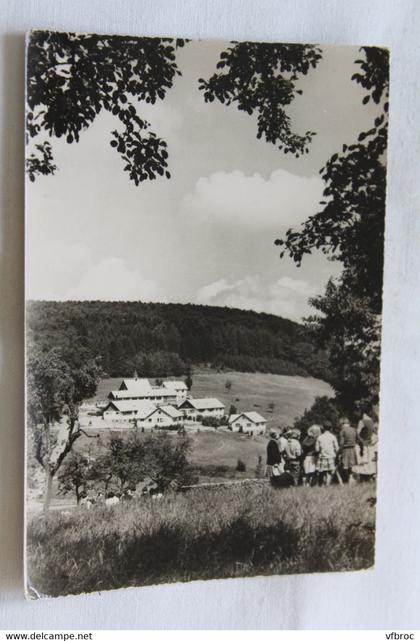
x,y
48,487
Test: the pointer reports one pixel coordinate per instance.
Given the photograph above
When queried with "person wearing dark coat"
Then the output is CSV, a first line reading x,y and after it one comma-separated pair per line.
x,y
273,454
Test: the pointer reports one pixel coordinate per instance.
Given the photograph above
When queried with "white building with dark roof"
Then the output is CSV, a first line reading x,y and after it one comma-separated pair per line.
x,y
247,422
195,407
179,387
142,414
140,389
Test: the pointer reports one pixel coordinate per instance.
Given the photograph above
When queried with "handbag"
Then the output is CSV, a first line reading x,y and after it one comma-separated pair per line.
x,y
276,470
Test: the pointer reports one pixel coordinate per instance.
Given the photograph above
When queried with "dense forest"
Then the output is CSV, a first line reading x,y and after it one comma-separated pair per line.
x,y
158,339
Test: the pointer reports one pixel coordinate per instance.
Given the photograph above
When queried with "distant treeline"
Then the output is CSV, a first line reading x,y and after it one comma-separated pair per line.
x,y
160,339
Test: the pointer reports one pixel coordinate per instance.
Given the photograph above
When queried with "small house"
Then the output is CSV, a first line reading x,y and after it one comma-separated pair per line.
x,y
192,408
127,411
163,416
247,422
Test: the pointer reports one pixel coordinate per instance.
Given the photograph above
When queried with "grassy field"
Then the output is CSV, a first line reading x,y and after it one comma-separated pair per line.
x,y
225,449
291,395
208,450
239,530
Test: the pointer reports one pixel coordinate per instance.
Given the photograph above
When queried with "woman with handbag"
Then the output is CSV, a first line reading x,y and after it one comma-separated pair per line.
x,y
274,459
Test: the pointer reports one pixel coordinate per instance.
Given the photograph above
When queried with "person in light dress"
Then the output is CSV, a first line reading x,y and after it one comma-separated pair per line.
x,y
327,448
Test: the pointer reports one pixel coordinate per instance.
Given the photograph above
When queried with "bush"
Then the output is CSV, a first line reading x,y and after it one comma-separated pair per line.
x,y
240,466
213,470
168,428
322,409
128,461
212,421
259,470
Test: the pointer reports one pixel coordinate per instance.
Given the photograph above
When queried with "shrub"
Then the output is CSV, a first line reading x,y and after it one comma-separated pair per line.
x,y
213,470
128,461
240,466
212,421
74,475
321,410
259,470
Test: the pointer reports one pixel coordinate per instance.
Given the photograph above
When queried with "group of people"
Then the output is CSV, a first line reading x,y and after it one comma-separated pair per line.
x,y
323,454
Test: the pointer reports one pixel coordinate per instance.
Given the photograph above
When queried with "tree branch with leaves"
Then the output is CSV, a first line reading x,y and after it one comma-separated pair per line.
x,y
262,78
72,78
350,229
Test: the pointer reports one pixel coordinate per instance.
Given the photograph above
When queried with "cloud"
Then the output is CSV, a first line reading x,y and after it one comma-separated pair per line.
x,y
284,199
51,268
111,279
68,272
287,297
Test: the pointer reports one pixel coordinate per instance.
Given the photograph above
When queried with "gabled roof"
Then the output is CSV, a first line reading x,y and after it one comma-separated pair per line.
x,y
170,410
146,393
175,385
254,417
203,403
141,385
141,408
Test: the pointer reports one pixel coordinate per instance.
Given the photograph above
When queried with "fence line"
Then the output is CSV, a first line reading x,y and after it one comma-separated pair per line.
x,y
225,484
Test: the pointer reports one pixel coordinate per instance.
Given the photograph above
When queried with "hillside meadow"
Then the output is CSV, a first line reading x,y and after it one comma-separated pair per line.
x,y
214,454
280,399
238,530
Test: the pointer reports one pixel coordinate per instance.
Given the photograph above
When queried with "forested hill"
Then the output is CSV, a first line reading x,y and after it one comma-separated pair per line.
x,y
158,339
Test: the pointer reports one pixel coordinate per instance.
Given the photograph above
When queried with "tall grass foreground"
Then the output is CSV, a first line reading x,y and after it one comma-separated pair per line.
x,y
205,534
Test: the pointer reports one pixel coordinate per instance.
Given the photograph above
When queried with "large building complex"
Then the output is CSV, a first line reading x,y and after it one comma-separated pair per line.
x,y
168,405
140,389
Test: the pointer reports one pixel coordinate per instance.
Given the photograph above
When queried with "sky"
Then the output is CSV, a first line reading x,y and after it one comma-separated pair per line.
x,y
207,234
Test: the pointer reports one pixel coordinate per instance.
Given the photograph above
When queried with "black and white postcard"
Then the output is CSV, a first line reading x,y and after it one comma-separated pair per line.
x,y
204,263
